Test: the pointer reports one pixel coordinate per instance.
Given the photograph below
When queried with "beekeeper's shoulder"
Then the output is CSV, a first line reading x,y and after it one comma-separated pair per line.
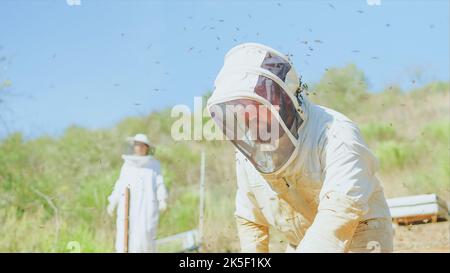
x,y
343,136
341,130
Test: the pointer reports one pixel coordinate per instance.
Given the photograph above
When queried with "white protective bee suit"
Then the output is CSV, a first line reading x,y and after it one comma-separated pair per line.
x,y
148,194
316,183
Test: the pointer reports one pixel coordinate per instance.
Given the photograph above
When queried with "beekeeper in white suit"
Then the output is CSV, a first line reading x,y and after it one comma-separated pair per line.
x,y
301,168
142,174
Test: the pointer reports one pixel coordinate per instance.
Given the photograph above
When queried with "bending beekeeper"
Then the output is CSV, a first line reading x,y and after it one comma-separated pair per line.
x,y
301,168
141,173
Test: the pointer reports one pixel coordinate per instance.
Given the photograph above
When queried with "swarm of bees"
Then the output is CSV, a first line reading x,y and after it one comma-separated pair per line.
x,y
311,46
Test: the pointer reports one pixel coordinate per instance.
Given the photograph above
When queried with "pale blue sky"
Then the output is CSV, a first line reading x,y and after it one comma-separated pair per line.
x,y
94,64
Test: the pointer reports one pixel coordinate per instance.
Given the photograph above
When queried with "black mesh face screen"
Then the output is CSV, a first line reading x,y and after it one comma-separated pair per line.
x,y
276,65
275,94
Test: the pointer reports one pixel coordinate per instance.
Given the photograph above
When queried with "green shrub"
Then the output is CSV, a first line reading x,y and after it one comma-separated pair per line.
x,y
394,155
438,130
377,131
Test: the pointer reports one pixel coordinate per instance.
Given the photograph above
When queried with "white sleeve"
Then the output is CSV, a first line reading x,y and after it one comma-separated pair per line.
x,y
246,204
114,197
161,190
348,185
349,166
252,227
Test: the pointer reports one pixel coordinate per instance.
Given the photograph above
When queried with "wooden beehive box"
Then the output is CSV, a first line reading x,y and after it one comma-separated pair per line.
x,y
187,241
418,208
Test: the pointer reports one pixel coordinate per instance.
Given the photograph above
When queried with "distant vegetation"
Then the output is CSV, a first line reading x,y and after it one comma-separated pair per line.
x,y
53,190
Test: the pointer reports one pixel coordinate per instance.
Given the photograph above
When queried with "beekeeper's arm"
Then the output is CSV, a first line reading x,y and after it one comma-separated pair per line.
x,y
348,168
113,198
252,227
161,190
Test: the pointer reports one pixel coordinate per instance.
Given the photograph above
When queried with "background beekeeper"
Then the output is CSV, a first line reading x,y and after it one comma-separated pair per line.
x,y
301,168
142,174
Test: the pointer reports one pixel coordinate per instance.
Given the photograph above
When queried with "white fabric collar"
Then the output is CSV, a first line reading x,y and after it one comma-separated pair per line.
x,y
137,161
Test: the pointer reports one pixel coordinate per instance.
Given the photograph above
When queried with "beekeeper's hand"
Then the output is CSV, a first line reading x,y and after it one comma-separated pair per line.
x,y
162,206
334,225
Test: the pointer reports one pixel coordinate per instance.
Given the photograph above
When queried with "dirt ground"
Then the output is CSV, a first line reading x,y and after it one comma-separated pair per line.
x,y
418,238
430,237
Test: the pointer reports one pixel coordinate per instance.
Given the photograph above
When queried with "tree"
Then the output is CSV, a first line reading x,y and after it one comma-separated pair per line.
x,y
341,88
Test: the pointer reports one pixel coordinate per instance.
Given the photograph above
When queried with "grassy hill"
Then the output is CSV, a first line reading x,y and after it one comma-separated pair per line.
x,y
54,190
